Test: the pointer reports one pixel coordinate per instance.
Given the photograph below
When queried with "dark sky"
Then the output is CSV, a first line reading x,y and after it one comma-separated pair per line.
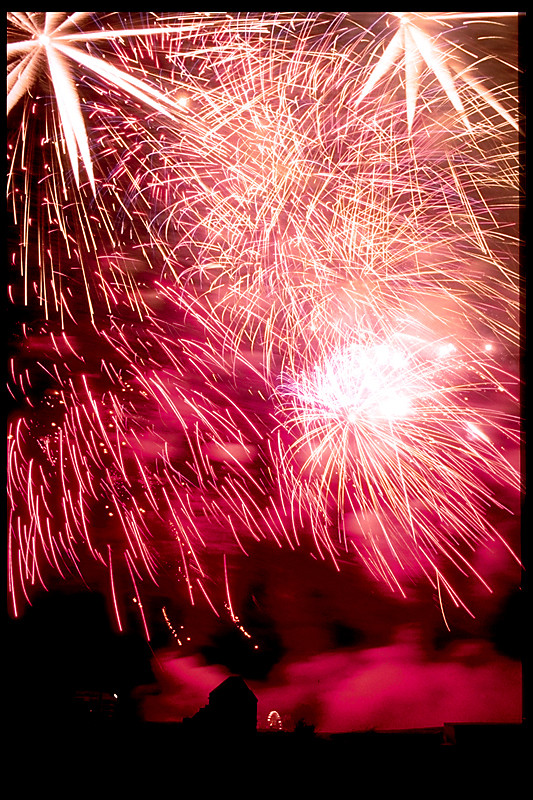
x,y
323,642
331,648
338,651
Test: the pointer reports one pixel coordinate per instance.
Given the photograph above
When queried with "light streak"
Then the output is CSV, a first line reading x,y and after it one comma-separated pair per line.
x,y
376,433
272,261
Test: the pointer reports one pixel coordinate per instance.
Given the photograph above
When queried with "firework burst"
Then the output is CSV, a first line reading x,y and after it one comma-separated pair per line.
x,y
272,265
398,458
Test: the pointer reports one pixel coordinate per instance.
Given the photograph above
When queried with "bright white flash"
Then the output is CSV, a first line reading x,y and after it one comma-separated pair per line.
x,y
371,382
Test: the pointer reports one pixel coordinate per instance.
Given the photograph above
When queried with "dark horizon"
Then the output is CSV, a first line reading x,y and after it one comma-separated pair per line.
x,y
66,643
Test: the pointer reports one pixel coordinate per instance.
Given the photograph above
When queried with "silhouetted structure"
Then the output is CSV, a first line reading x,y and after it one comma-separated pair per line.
x,y
230,712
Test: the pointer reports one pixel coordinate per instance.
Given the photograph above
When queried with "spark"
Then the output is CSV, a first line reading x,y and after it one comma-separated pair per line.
x,y
271,312
360,422
56,34
415,47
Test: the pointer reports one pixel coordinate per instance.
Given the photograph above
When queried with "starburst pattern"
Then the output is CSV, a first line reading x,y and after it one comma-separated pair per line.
x,y
55,39
362,419
415,48
264,308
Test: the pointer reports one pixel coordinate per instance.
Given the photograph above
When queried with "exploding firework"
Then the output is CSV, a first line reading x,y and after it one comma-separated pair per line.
x,y
272,267
390,435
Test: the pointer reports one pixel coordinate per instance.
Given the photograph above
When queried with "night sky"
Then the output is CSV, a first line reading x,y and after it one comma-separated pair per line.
x,y
134,433
332,649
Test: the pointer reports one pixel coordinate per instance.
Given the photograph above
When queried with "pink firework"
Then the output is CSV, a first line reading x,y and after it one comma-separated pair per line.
x,y
401,450
271,268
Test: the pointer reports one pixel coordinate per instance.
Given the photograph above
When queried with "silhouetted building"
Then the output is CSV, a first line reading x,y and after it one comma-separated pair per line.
x,y
231,711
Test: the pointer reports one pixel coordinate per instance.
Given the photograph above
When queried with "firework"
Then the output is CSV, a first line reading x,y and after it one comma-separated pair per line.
x,y
272,266
361,419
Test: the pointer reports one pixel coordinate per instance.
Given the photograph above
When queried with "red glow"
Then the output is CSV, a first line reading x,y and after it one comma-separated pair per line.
x,y
265,293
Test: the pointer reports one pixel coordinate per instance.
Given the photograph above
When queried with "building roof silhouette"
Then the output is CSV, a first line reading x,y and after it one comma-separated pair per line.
x,y
232,690
232,709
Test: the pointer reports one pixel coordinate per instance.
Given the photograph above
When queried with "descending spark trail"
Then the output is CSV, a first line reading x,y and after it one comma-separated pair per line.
x,y
272,267
363,419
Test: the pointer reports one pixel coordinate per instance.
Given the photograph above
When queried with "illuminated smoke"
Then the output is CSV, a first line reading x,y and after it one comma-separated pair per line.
x,y
272,266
